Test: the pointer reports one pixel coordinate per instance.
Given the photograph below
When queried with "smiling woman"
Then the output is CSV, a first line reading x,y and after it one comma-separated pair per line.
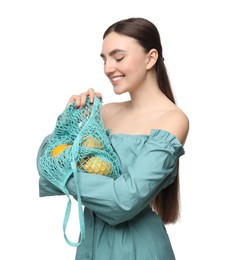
x,y
118,51
125,217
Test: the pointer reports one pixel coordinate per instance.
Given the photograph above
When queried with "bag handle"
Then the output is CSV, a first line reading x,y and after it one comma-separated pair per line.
x,y
68,211
74,155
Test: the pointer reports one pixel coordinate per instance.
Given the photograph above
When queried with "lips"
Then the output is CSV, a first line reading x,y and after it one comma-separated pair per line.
x,y
116,78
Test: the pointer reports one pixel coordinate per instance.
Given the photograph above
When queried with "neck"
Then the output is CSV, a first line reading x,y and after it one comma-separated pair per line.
x,y
147,96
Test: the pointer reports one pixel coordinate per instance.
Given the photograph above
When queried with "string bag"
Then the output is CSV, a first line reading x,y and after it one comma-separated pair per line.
x,y
78,145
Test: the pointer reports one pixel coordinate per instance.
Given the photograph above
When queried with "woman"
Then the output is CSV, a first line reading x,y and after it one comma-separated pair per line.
x,y
125,218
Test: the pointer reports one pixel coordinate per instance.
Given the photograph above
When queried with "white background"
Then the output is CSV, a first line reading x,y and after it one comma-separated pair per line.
x,y
49,50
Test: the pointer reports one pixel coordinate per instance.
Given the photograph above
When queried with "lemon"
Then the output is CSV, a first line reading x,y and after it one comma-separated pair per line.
x,y
59,149
96,165
88,141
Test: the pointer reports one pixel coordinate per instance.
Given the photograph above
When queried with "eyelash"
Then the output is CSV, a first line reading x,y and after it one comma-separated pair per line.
x,y
118,60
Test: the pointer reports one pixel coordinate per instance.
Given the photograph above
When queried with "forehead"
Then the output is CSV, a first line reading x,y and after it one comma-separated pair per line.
x,y
118,41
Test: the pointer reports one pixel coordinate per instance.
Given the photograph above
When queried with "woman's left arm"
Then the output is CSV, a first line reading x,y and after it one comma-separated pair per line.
x,y
120,200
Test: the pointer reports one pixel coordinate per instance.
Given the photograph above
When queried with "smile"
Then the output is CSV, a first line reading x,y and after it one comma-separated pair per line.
x,y
114,79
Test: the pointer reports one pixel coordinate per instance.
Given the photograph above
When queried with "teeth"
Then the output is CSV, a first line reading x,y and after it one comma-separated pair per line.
x,y
117,78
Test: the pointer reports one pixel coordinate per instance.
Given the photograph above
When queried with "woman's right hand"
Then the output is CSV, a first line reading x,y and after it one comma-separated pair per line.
x,y
80,100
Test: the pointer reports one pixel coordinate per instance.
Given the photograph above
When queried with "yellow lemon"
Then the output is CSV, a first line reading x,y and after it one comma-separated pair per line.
x,y
59,149
88,141
96,165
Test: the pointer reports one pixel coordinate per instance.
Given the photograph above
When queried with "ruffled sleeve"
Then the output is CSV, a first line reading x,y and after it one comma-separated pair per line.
x,y
151,171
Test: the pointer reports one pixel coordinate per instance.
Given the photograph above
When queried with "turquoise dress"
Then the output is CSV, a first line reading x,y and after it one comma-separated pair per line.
x,y
119,222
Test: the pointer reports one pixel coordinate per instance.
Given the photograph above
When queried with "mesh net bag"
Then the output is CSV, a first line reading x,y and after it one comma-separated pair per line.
x,y
78,144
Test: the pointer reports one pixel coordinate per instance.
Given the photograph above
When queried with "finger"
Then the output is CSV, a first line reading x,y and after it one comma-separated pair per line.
x,y
83,98
99,95
74,99
80,100
71,100
77,101
91,94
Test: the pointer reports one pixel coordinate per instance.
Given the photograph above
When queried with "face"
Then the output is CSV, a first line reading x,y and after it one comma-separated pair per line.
x,y
125,62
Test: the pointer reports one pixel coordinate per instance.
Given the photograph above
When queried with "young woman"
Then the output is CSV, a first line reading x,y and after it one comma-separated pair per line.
x,y
125,218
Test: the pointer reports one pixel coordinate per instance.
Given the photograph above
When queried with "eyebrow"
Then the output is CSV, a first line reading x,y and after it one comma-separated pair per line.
x,y
112,52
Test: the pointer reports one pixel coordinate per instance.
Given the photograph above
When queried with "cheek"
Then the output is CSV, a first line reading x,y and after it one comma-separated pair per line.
x,y
135,67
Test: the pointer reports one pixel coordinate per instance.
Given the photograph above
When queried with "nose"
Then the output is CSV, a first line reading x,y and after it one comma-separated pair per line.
x,y
109,68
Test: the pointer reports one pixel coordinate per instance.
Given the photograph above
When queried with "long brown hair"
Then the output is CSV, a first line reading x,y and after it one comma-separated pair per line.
x,y
167,202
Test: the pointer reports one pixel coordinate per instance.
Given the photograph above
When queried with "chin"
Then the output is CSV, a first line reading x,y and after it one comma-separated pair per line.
x,y
119,90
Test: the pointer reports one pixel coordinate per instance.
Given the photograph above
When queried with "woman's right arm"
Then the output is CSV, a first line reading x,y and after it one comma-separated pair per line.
x,y
45,187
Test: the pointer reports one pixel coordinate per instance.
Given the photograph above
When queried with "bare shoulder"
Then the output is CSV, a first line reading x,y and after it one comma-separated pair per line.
x,y
109,106
110,113
110,109
176,122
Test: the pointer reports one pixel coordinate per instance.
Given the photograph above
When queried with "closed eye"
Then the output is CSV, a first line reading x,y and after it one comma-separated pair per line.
x,y
118,60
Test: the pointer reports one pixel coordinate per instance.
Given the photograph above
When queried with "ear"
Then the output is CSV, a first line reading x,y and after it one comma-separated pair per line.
x,y
152,57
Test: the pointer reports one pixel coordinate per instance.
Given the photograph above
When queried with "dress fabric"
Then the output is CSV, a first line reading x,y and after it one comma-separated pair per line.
x,y
119,223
